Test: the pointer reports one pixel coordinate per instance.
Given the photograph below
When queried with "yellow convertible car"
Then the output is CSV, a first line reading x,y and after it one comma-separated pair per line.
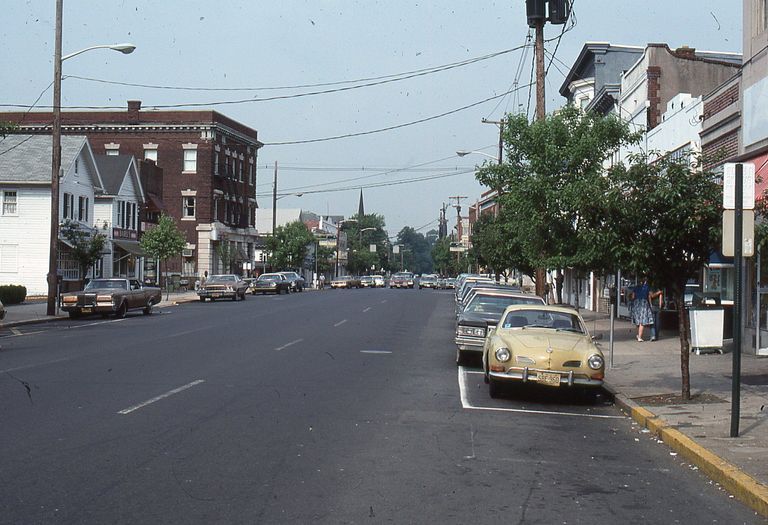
x,y
546,345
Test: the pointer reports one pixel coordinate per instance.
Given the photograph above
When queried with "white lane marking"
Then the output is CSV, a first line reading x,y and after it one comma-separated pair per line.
x,y
375,352
367,309
161,396
15,331
384,301
25,367
288,344
177,334
340,322
97,323
466,404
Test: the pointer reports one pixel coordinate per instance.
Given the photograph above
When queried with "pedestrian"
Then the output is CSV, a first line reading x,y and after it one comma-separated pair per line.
x,y
321,281
656,307
642,315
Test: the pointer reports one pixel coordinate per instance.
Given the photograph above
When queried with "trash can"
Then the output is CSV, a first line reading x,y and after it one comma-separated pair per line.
x,y
706,317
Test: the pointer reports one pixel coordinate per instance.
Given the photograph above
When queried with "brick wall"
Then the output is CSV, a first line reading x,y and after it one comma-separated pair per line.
x,y
717,104
720,150
654,96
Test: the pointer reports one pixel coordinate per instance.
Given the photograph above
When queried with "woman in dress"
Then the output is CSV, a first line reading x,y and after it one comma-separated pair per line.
x,y
642,314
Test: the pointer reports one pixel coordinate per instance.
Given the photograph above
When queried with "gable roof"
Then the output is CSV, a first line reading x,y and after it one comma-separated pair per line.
x,y
114,169
27,158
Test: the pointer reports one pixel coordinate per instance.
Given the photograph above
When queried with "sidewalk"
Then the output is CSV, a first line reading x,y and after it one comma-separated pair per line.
x,y
34,310
646,374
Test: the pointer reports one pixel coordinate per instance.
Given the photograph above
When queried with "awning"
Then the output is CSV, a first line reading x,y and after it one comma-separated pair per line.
x,y
129,246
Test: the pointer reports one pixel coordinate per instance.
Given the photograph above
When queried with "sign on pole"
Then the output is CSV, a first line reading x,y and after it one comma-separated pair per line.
x,y
729,186
396,248
372,248
747,233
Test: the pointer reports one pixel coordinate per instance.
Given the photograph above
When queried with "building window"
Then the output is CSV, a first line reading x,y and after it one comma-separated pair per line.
x,y
82,209
188,205
251,174
190,160
69,205
150,154
77,165
112,148
10,203
215,162
240,172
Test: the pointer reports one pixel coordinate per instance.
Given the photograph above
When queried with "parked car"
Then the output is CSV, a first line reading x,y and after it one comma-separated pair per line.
x,y
296,281
366,281
428,281
275,283
111,297
223,286
2,311
450,283
378,281
542,344
345,281
401,280
481,314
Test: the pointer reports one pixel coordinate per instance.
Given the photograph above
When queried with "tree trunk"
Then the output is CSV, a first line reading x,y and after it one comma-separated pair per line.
x,y
685,343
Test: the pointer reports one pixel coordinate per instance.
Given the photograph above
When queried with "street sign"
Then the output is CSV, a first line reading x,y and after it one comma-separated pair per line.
x,y
328,243
729,186
748,233
458,248
396,248
372,248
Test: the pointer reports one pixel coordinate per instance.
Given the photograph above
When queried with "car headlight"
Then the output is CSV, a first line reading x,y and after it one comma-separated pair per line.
x,y
502,355
103,298
472,330
229,288
69,299
595,362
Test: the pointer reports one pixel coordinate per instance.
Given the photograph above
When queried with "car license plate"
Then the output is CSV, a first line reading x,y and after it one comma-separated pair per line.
x,y
86,310
549,379
215,295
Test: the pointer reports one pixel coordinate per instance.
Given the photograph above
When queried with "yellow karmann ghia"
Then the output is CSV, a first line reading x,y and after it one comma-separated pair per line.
x,y
546,345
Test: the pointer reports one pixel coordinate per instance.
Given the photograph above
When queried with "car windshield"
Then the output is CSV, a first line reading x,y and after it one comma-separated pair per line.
x,y
561,321
117,284
496,304
403,276
270,277
222,278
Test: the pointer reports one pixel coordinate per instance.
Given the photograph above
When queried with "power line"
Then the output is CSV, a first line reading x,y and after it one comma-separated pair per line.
x,y
397,126
392,77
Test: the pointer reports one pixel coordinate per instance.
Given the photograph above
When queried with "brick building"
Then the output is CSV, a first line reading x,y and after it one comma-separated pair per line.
x,y
208,164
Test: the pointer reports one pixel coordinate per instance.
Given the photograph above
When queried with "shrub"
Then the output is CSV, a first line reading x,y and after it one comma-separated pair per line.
x,y
12,293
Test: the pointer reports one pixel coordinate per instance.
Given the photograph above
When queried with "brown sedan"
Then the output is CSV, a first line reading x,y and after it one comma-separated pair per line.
x,y
111,296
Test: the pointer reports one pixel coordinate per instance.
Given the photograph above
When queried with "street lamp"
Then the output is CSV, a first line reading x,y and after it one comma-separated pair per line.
x,y
464,153
56,151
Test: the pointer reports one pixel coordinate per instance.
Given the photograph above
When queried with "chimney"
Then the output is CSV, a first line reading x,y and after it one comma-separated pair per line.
x,y
686,52
134,106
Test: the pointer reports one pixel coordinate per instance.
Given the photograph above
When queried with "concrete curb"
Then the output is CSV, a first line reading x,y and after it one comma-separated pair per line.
x,y
743,487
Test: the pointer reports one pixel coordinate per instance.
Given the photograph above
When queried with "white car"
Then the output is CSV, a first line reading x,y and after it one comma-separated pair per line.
x,y
378,281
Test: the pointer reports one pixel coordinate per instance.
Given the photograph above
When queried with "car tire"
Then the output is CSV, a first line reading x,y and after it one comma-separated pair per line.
x,y
242,297
121,311
148,309
494,388
235,298
461,357
202,299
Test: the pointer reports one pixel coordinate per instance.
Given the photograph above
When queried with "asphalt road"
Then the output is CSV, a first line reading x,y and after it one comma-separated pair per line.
x,y
333,407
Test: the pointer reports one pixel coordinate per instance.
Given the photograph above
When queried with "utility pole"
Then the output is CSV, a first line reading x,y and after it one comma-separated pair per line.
x,y
443,228
53,253
536,11
458,225
274,202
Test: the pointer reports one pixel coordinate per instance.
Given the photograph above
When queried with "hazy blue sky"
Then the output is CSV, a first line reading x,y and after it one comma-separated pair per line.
x,y
249,44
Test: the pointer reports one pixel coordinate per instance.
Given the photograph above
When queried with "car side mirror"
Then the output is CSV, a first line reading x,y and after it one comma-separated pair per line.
x,y
597,337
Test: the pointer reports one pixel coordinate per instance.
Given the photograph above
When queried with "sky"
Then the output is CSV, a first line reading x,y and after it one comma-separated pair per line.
x,y
245,51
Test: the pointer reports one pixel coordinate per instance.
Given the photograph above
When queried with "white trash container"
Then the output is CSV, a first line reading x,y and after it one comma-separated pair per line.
x,y
706,329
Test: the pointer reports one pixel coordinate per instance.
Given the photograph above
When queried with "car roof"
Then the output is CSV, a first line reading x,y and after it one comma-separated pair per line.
x,y
545,307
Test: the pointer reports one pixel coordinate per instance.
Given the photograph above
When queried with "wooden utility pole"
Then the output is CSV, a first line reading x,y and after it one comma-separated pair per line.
x,y
274,202
53,254
541,112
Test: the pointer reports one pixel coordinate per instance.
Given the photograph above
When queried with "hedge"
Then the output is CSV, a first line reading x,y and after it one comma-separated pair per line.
x,y
12,293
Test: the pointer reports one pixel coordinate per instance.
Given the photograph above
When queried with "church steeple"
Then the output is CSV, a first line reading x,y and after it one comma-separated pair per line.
x,y
360,207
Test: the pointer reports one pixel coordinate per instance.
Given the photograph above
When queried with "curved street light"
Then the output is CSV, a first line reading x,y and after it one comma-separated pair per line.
x,y
464,153
53,255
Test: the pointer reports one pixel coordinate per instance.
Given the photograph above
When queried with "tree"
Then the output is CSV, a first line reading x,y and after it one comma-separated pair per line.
x,y
163,242
497,247
227,254
417,253
362,232
552,185
87,245
664,220
289,245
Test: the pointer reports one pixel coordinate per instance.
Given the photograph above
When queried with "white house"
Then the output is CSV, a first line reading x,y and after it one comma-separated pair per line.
x,y
25,205
116,214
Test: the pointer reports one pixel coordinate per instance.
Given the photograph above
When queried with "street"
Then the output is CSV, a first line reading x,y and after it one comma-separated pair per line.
x,y
334,407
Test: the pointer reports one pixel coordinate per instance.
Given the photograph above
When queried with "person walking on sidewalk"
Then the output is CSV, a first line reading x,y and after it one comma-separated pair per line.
x,y
656,309
642,315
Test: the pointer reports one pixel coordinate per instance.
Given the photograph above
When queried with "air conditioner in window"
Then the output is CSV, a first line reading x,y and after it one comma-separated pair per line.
x,y
186,252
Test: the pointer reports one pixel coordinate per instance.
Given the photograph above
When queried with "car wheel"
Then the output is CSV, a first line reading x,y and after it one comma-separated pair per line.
x,y
242,297
121,311
148,309
235,297
494,388
202,299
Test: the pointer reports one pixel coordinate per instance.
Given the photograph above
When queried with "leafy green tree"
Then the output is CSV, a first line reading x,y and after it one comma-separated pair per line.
x,y
442,258
665,218
289,246
362,232
552,185
87,246
227,254
496,246
163,242
417,253
325,259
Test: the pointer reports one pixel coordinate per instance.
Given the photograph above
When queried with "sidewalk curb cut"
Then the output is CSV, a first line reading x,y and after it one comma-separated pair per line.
x,y
743,487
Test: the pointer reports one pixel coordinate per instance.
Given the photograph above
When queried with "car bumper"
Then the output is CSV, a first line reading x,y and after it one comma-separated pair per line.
x,y
90,309
526,375
210,294
469,344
